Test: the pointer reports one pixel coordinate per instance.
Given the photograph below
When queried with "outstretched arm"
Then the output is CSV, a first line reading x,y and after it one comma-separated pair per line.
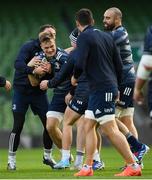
x,y
5,83
143,72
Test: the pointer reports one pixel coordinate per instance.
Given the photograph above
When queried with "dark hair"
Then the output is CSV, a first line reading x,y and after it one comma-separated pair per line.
x,y
84,17
43,27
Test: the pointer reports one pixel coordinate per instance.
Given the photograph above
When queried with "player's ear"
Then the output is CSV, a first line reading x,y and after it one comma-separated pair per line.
x,y
77,24
117,20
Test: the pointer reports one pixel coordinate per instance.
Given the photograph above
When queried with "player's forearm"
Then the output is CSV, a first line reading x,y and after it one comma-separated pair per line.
x,y
68,50
78,69
22,67
53,83
64,73
58,79
145,66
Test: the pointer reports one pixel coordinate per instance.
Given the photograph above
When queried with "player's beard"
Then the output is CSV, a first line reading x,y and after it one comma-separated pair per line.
x,y
109,27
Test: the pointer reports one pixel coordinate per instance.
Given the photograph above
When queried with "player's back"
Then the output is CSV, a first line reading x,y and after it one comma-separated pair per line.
x,y
27,51
100,68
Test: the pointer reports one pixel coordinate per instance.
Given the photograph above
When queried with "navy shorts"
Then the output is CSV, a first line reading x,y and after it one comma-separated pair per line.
x,y
57,103
78,105
37,102
126,95
101,103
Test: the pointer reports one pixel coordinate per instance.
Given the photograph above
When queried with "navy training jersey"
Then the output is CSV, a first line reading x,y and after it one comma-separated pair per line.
x,y
82,89
57,61
121,39
26,53
97,55
66,71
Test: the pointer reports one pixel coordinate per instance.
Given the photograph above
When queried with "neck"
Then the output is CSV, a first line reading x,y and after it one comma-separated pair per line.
x,y
83,27
117,25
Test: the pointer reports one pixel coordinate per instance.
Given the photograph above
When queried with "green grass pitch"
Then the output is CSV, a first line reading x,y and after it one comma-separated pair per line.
x,y
30,166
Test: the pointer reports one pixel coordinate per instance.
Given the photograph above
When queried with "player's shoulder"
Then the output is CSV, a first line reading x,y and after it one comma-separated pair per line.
x,y
32,43
85,35
120,31
60,53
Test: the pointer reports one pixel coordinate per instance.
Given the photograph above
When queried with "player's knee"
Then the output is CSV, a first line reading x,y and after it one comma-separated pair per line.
x,y
110,128
51,125
81,126
89,126
127,120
